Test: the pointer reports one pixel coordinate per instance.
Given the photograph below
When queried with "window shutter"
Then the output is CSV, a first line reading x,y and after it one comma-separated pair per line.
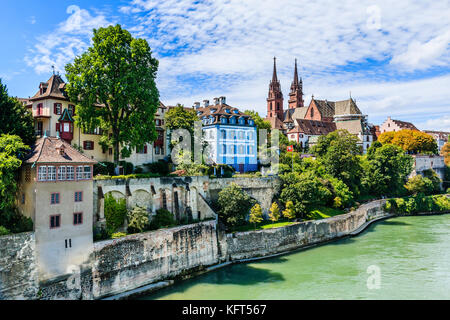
x,y
57,127
84,145
145,149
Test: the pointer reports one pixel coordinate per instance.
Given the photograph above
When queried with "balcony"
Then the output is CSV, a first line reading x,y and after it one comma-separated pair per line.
x,y
41,113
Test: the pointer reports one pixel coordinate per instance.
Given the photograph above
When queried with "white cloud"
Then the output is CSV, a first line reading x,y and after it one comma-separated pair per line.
x,y
70,39
439,124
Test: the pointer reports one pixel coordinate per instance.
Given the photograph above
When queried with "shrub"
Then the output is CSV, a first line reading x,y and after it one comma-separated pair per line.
x,y
274,214
256,215
3,231
419,184
100,234
18,223
418,203
118,235
234,205
138,170
115,213
128,167
160,167
137,220
162,219
104,168
434,178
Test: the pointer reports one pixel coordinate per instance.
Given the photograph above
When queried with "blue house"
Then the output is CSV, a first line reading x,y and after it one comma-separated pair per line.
x,y
230,134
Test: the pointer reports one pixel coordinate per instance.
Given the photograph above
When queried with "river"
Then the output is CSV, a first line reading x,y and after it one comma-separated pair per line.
x,y
412,255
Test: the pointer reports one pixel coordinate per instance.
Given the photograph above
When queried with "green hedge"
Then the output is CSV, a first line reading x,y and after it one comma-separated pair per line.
x,y
418,203
130,176
115,213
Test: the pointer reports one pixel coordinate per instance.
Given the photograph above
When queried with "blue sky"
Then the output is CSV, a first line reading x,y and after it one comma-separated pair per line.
x,y
394,58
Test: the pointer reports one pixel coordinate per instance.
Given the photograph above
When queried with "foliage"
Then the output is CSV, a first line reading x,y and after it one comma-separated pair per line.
x,y
248,175
434,178
259,121
419,184
128,167
274,214
18,223
418,203
445,152
189,168
343,196
446,183
104,168
100,234
113,84
228,170
304,190
338,153
256,215
137,220
411,141
321,212
15,118
118,235
115,213
4,231
181,118
162,219
289,212
160,167
130,176
12,149
234,205
386,170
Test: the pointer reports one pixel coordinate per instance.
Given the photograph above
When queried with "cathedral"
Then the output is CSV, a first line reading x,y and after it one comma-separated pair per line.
x,y
304,124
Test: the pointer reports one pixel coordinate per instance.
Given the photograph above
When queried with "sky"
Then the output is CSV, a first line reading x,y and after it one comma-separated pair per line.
x,y
393,58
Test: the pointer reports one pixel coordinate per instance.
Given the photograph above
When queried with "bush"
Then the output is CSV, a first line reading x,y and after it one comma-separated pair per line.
x,y
434,178
138,170
228,170
115,213
162,219
118,235
419,184
128,167
4,231
18,223
234,205
160,167
104,168
137,220
418,203
100,234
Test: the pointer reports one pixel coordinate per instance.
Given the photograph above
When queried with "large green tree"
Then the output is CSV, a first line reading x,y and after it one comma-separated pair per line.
x,y
113,84
181,118
234,205
15,118
12,150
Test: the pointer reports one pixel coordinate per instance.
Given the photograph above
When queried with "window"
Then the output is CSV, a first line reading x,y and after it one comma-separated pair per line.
x,y
42,173
157,150
224,134
79,196
77,218
54,198
68,243
51,174
250,136
110,151
224,149
57,108
80,173
55,221
88,145
71,109
87,173
232,134
95,131
241,150
70,173
62,173
250,150
312,113
142,151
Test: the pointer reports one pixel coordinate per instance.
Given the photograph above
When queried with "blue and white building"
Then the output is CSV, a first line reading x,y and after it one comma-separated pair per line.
x,y
230,134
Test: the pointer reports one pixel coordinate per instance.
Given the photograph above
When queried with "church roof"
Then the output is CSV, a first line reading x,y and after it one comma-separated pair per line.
x,y
352,126
313,127
326,108
46,150
346,107
54,88
275,123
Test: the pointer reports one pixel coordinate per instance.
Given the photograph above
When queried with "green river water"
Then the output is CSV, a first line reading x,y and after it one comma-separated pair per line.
x,y
412,254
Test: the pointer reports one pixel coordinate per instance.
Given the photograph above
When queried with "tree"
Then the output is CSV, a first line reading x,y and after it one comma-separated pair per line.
x,y
387,170
419,184
256,215
260,122
113,84
138,219
338,153
181,118
274,214
289,212
411,141
445,152
12,150
115,213
15,118
234,205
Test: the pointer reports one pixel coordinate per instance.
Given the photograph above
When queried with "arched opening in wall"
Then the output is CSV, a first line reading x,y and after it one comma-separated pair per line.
x,y
116,195
163,199
141,198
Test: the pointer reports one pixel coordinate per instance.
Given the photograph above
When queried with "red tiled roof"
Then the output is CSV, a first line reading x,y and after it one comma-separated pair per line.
x,y
313,127
54,89
47,150
405,125
220,110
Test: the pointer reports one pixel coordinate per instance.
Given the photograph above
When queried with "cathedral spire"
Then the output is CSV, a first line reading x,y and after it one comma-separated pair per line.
x,y
295,73
296,94
274,77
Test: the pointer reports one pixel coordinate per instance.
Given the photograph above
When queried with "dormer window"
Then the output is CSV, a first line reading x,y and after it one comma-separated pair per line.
x,y
213,110
227,110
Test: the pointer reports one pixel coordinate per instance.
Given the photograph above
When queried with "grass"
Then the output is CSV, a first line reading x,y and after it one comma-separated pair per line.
x,y
324,212
261,226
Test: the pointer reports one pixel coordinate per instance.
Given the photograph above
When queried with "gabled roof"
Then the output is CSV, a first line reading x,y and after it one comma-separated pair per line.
x,y
66,116
313,127
405,125
46,150
442,135
346,107
54,89
275,123
353,126
326,108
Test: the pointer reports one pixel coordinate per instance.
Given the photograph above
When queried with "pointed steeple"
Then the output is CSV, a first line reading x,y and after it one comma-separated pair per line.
x,y
296,94
274,77
295,74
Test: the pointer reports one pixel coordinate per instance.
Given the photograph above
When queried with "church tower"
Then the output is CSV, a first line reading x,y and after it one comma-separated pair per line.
x,y
275,99
296,94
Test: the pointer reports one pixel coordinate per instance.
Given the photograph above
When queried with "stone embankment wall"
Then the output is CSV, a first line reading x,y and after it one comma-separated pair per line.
x,y
18,269
134,261
137,260
245,245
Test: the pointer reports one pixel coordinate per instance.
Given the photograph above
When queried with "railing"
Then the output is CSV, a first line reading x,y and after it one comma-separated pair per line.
x,y
41,113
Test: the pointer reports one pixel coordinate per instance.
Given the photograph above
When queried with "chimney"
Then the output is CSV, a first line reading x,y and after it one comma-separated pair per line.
x,y
223,100
196,105
216,101
206,103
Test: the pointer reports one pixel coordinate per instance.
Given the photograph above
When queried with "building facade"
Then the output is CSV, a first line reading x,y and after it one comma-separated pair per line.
x,y
54,114
396,125
56,193
231,135
441,137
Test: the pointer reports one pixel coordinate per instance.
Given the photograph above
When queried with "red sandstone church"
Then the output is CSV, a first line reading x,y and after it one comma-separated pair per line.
x,y
304,124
